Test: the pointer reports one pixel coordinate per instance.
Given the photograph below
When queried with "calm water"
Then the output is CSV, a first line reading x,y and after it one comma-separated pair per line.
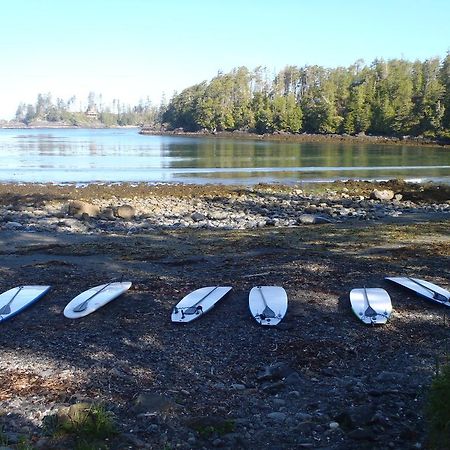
x,y
124,155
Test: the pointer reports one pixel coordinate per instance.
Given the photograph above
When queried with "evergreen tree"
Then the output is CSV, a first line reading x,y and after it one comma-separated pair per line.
x,y
445,81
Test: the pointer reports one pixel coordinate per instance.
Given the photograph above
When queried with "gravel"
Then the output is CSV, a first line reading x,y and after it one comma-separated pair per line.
x,y
320,380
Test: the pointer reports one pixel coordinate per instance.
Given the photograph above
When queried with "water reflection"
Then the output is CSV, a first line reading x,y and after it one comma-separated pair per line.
x,y
123,155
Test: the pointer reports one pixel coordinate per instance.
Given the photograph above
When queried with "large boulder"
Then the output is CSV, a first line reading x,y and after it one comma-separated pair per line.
x,y
126,212
78,208
384,195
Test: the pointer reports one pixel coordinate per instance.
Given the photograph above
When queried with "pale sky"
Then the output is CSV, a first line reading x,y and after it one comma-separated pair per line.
x,y
131,49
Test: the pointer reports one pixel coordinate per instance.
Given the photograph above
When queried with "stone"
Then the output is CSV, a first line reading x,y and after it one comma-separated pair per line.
x,y
108,214
218,215
201,423
13,225
197,217
149,402
134,440
356,416
126,212
275,371
390,377
277,416
333,425
78,413
384,195
273,388
303,417
309,219
293,379
78,207
305,427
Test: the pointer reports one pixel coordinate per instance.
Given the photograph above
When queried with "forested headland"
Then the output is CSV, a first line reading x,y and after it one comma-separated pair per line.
x,y
387,98
91,113
394,98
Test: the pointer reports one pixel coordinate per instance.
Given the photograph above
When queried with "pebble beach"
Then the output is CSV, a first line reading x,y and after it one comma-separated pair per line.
x,y
321,379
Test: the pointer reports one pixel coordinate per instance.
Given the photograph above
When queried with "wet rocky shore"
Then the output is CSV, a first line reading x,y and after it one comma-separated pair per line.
x,y
322,379
138,208
360,138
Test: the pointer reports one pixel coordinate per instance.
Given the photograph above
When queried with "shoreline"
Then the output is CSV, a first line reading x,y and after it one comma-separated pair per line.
x,y
304,137
276,136
139,207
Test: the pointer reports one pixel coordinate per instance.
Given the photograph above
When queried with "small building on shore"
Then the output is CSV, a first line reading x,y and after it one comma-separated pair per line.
x,y
92,112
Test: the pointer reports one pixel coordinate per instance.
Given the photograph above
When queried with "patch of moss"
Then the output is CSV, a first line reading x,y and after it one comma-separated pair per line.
x,y
84,421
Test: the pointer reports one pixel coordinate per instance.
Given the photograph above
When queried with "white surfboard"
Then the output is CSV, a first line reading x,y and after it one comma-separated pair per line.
x,y
268,304
371,305
89,301
198,302
423,288
15,300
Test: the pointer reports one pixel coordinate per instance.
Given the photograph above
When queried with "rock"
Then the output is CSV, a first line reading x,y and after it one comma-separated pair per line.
x,y
362,434
197,217
384,195
212,423
126,212
356,416
276,371
293,379
333,425
303,417
77,208
13,225
218,215
273,388
134,440
149,402
305,427
277,416
391,377
108,214
309,219
78,413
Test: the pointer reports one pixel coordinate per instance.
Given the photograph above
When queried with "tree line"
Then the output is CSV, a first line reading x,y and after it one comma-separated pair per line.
x,y
392,98
94,111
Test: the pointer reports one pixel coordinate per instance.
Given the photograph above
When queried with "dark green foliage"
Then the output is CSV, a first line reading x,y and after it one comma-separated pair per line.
x,y
438,410
395,97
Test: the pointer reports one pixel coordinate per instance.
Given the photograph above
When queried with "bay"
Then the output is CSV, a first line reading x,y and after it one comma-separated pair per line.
x,y
123,155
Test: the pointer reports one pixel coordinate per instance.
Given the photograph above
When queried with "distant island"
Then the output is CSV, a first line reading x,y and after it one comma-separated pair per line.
x,y
46,113
395,99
